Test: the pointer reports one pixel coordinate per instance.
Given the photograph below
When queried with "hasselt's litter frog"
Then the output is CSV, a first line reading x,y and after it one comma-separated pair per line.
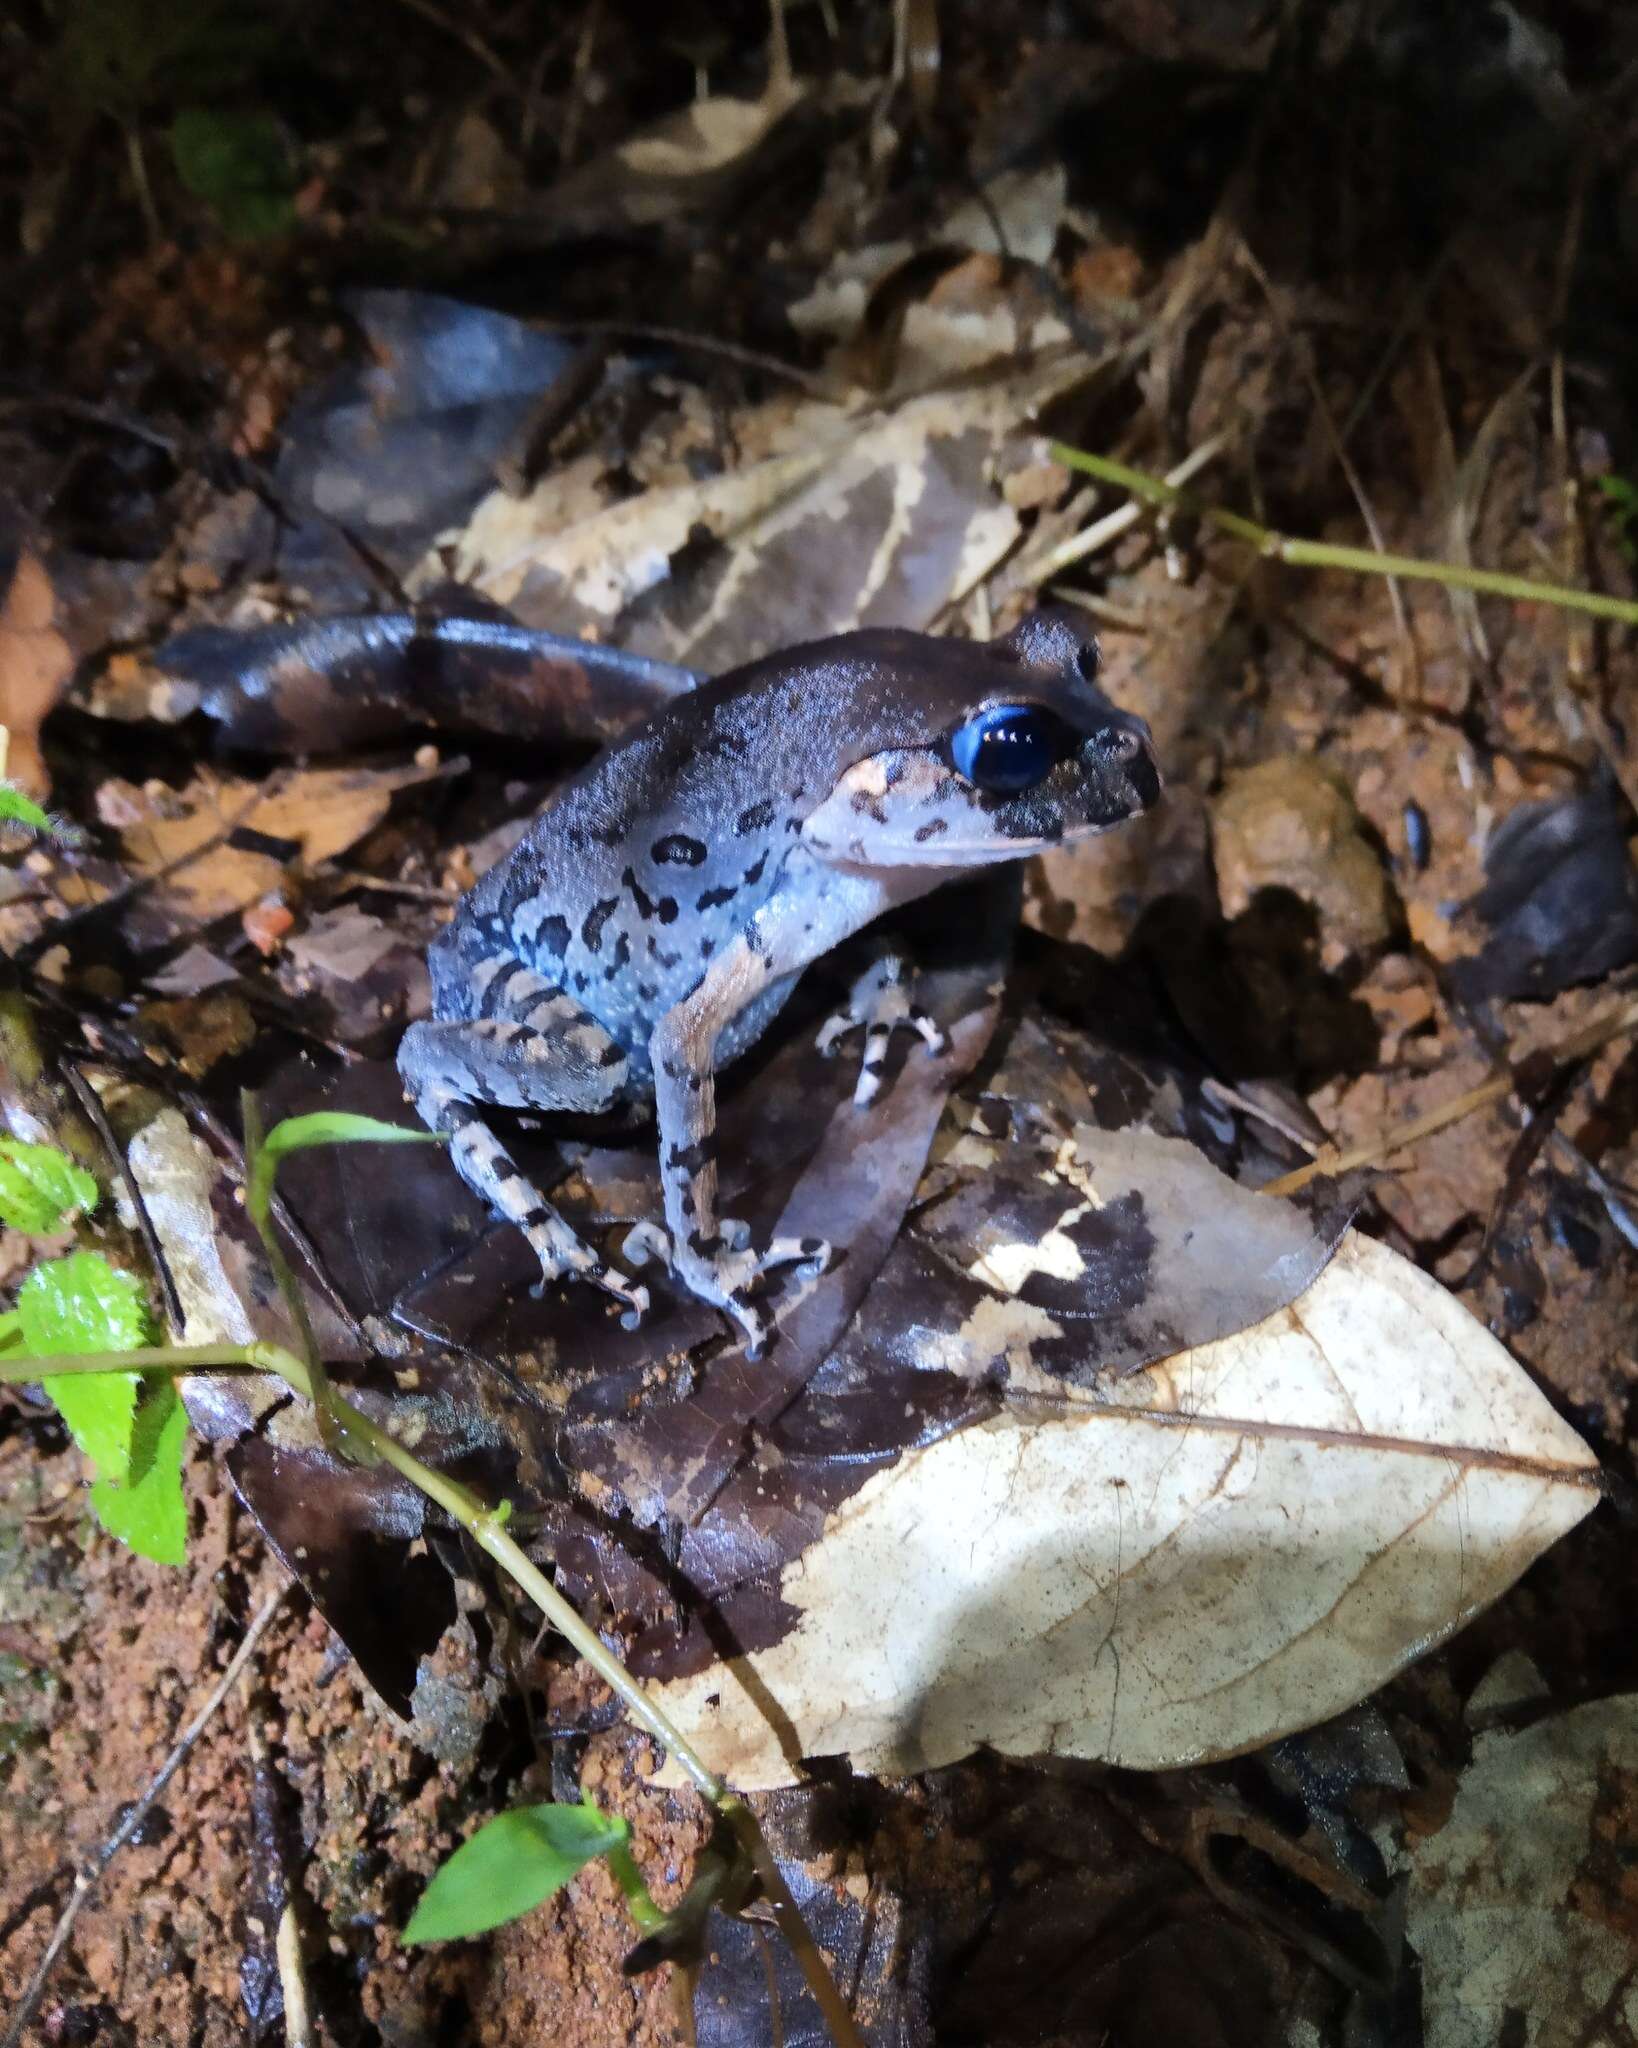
x,y
652,921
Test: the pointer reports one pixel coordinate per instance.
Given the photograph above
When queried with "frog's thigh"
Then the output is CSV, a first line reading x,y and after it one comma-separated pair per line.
x,y
557,1061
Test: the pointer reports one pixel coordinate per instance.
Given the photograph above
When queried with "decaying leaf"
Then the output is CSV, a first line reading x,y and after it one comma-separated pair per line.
x,y
1516,1903
1241,1541
393,452
1560,900
220,845
688,160
854,517
36,662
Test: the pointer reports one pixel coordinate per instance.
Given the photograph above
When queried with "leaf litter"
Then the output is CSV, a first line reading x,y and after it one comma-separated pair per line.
x,y
1065,1287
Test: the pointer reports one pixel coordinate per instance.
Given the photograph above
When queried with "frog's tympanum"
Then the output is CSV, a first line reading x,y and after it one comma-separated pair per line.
x,y
656,915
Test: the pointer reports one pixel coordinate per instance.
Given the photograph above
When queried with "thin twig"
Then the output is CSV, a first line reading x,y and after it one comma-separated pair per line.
x,y
467,37
1579,1045
91,1102
90,1873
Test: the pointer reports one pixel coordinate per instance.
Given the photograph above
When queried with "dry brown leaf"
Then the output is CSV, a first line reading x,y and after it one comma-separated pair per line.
x,y
35,665
317,814
1237,1543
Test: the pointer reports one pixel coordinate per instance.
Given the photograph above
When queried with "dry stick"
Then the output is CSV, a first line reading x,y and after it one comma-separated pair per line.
x,y
1578,1046
486,1527
287,1950
90,1873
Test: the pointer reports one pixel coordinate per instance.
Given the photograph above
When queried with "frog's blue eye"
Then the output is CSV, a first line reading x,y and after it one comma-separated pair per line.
x,y
1009,748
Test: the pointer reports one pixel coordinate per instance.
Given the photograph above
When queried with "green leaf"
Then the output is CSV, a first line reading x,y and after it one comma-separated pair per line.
x,y
339,1127
511,1865
238,164
78,1304
150,1512
17,809
319,1127
40,1186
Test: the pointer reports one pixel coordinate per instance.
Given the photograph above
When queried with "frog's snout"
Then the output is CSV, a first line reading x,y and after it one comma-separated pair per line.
x,y
1121,757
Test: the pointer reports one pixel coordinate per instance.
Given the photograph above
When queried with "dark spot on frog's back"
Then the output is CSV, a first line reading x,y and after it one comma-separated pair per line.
x,y
713,899
931,830
753,874
639,895
677,850
591,932
553,936
755,819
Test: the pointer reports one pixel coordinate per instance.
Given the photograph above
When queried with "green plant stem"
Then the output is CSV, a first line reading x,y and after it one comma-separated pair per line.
x,y
649,1918
484,1525
260,1167
1314,554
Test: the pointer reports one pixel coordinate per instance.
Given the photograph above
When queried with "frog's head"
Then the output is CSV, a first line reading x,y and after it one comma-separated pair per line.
x,y
1020,751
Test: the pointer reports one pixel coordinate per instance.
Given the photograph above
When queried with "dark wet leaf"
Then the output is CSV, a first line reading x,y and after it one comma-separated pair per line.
x,y
401,449
345,1534
1561,902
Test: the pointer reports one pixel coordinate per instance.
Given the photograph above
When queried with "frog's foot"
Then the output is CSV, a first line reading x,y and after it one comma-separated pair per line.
x,y
563,1256
725,1270
880,1001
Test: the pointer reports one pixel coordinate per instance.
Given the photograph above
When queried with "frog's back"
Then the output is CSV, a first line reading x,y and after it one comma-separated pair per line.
x,y
639,869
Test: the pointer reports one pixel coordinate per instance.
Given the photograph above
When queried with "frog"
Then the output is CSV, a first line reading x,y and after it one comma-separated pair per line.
x,y
655,916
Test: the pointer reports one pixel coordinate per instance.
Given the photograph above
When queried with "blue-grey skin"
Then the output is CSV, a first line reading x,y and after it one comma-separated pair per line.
x,y
656,915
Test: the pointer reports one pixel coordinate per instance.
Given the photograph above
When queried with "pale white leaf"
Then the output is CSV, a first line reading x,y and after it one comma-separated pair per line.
x,y
1239,1542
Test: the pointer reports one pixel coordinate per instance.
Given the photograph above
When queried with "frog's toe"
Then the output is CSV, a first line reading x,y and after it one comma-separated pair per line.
x,y
645,1241
881,1003
735,1233
797,1251
628,1292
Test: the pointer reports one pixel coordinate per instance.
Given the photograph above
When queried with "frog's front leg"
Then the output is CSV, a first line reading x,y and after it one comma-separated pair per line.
x,y
710,1256
550,1055
880,1000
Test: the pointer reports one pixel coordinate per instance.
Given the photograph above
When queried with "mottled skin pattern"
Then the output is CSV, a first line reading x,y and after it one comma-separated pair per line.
x,y
654,918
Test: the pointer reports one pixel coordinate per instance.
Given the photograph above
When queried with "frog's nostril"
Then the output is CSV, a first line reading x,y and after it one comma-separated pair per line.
x,y
1119,743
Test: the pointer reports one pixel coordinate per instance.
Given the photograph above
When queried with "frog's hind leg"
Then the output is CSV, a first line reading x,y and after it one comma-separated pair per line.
x,y
549,1055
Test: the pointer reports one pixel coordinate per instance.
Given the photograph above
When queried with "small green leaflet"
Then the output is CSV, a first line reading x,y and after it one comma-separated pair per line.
x,y
78,1304
237,163
511,1865
17,809
40,1186
339,1127
319,1127
150,1513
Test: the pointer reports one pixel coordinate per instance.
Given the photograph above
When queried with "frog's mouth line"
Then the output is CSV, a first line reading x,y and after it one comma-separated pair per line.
x,y
971,853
